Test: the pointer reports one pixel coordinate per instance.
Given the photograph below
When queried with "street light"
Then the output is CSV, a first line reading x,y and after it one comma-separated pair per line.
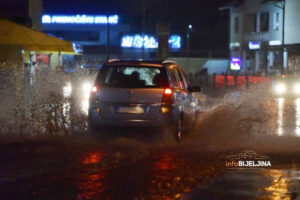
x,y
189,28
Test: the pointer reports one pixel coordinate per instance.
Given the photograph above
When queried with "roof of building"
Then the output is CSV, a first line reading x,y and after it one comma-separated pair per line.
x,y
232,4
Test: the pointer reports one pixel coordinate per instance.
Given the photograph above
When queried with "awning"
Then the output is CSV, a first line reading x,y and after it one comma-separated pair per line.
x,y
16,35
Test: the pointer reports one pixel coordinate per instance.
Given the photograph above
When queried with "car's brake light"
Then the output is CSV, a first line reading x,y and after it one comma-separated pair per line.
x,y
168,96
94,89
93,95
168,91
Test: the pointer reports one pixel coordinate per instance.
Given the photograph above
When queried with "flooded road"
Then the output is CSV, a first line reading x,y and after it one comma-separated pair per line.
x,y
121,171
251,184
135,164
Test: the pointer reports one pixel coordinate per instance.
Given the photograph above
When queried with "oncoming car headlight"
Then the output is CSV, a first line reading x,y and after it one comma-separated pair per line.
x,y
280,88
86,89
297,88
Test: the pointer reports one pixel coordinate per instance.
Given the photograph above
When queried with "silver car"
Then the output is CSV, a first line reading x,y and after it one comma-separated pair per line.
x,y
143,94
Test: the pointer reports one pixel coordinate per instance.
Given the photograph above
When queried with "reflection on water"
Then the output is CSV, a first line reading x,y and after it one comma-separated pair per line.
x,y
93,158
288,117
283,184
297,102
279,186
165,162
67,90
66,114
165,178
85,106
86,89
280,116
91,185
259,184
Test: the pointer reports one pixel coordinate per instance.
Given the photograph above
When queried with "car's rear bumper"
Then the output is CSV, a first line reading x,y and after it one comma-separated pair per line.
x,y
163,120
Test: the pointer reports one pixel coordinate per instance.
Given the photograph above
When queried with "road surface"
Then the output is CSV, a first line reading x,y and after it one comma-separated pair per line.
x,y
134,164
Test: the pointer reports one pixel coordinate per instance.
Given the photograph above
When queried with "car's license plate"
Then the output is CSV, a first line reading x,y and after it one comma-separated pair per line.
x,y
130,110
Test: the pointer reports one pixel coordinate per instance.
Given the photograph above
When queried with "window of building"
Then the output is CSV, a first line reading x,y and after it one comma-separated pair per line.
x,y
236,25
264,22
250,22
276,21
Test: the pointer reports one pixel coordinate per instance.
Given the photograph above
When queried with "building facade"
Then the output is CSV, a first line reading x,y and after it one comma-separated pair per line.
x,y
256,36
106,36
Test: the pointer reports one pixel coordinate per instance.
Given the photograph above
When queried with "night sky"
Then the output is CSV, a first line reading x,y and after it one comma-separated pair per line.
x,y
207,20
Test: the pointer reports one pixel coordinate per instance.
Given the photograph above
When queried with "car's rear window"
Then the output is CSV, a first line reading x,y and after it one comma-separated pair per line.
x,y
132,77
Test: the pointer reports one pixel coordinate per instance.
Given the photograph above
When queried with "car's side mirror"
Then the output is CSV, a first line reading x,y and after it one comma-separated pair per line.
x,y
195,89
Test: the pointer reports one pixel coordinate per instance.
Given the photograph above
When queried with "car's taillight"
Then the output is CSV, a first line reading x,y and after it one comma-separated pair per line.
x,y
94,91
168,91
168,96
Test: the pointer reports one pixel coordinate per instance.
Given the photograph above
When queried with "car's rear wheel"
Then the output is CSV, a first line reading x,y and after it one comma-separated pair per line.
x,y
178,130
91,124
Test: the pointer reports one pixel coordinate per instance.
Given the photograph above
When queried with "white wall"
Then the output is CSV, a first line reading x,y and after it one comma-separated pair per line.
x,y
292,22
194,65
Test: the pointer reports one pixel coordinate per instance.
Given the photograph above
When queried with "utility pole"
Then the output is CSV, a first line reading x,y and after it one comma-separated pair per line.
x,y
283,33
107,39
189,28
144,28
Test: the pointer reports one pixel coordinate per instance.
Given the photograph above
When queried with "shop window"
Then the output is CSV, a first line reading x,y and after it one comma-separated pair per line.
x,y
250,22
264,22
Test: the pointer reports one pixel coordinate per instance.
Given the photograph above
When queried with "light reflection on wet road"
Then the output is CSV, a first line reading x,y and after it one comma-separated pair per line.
x,y
91,184
288,120
110,168
280,116
160,175
298,117
264,184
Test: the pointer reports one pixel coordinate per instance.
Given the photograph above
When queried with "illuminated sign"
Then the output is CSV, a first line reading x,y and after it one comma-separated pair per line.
x,y
139,42
234,45
148,41
235,63
274,42
127,41
80,19
77,48
175,42
254,45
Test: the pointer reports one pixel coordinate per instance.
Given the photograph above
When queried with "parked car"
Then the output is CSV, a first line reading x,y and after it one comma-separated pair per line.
x,y
141,94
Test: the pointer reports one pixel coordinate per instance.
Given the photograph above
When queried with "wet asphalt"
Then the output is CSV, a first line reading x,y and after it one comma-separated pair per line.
x,y
137,164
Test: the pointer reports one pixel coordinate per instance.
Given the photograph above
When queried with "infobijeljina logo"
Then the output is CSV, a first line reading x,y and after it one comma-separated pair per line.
x,y
249,160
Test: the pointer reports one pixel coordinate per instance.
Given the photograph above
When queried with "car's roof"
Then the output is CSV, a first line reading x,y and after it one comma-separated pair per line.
x,y
150,63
